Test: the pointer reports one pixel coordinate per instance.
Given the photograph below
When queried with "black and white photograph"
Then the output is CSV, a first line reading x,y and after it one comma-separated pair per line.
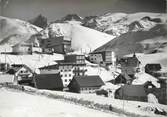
x,y
83,58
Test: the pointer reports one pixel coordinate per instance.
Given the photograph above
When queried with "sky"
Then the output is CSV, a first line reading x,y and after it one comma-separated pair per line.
x,y
56,9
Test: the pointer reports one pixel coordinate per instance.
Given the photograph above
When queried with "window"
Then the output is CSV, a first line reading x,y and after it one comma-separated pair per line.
x,y
65,80
65,75
69,80
69,75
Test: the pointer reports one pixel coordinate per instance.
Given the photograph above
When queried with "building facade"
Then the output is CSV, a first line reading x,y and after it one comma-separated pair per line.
x,y
55,45
73,65
25,48
22,48
106,57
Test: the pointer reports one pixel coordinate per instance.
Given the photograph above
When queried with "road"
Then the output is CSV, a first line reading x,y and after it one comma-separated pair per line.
x,y
20,104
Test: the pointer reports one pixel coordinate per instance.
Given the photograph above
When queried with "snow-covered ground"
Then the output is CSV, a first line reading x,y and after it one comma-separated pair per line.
x,y
19,104
133,108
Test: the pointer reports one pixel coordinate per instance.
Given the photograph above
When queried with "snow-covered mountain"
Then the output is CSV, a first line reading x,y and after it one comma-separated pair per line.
x,y
120,23
13,31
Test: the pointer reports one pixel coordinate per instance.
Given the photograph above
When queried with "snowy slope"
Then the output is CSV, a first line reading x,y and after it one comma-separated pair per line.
x,y
19,104
87,40
131,108
82,38
14,31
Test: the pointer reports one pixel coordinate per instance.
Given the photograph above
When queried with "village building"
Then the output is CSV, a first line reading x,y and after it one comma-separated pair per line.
x,y
22,73
131,92
72,65
25,48
85,84
55,45
129,65
48,81
141,92
103,57
51,69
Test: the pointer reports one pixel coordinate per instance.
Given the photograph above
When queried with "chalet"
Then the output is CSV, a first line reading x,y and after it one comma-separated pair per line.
x,y
106,57
131,92
51,69
72,65
55,45
48,81
85,84
23,74
129,65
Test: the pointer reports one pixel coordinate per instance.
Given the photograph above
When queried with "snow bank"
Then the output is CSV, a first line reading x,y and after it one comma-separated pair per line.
x,y
152,98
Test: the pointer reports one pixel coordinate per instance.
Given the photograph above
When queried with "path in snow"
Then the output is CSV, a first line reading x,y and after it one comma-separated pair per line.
x,y
19,104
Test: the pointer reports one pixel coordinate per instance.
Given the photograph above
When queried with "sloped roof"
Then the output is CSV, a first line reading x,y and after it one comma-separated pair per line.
x,y
50,67
89,81
134,90
17,67
48,81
